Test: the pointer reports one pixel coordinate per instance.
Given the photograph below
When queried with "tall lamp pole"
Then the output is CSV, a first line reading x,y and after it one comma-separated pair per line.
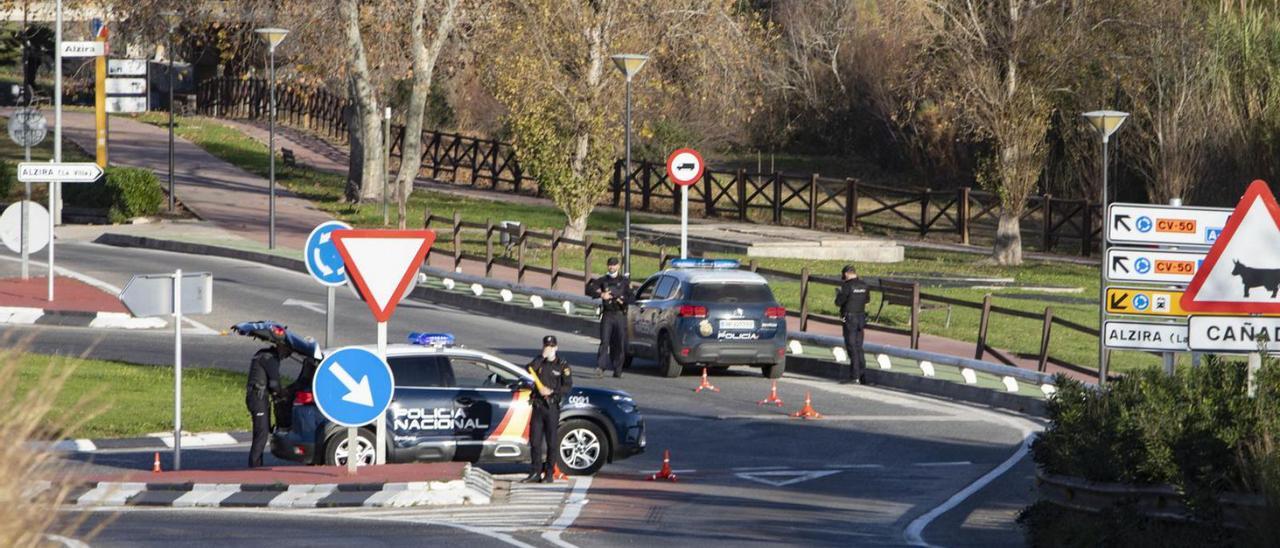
x,y
629,64
273,37
173,18
1106,122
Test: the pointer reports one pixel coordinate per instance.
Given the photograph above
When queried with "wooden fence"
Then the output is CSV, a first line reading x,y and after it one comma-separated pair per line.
x,y
518,240
963,215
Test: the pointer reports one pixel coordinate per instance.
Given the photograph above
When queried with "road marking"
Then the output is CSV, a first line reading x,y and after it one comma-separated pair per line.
x,y
792,476
876,418
68,542
856,466
577,501
952,463
755,468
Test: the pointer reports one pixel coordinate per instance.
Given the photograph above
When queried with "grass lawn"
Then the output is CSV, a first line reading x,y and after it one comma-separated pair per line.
x,y
1021,335
133,400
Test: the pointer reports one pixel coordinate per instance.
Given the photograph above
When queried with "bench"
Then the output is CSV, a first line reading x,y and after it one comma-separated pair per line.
x,y
289,159
904,294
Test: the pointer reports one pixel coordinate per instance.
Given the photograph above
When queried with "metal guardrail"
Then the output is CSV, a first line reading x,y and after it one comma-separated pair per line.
x,y
1239,510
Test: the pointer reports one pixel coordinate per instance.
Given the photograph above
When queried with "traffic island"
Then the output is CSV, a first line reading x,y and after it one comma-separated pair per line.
x,y
76,303
386,486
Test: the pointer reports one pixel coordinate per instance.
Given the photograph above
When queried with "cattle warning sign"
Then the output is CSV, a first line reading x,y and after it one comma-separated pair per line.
x,y
1241,272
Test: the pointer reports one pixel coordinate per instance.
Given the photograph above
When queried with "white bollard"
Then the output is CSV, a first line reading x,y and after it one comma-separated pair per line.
x,y
1010,384
883,360
477,289
567,306
1049,390
422,278
795,347
926,367
506,295
969,376
457,270
536,301
448,283
840,354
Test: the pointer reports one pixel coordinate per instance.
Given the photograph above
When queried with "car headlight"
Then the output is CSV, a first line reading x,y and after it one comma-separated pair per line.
x,y
626,403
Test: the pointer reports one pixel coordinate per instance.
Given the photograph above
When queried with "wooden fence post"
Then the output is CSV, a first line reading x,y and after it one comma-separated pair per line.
x,y
963,215
457,240
662,258
804,298
555,257
850,204
488,248
520,255
982,327
646,188
777,198
1044,339
742,195
752,266
586,259
617,182
708,194
915,315
924,212
1046,227
813,201
426,225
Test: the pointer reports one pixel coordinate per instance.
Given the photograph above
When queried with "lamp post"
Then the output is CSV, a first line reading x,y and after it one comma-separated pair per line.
x,y
629,64
172,18
273,37
1106,122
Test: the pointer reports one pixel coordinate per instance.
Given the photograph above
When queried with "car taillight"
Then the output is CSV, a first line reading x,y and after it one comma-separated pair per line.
x,y
775,312
303,397
692,311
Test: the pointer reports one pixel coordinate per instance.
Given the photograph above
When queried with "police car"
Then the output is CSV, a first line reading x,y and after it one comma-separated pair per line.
x,y
707,313
458,404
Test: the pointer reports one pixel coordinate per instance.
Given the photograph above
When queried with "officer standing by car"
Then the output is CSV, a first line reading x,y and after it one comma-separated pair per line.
x,y
262,389
552,381
614,291
852,297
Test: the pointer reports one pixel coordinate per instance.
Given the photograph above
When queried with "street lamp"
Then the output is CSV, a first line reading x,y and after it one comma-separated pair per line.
x,y
172,19
629,64
273,37
1106,122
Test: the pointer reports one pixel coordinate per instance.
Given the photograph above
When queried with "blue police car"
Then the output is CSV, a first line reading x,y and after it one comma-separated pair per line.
x,y
458,404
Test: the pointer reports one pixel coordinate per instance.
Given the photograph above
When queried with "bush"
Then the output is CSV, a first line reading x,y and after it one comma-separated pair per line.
x,y
127,193
8,178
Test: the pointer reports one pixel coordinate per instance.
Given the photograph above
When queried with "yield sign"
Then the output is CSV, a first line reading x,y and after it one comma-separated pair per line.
x,y
1241,273
382,263
783,478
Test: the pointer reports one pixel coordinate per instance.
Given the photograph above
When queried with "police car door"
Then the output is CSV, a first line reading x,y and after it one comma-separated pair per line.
x,y
641,315
421,410
488,418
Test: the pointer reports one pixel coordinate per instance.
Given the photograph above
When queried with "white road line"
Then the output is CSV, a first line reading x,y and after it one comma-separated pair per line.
x,y
577,501
875,418
753,468
951,463
68,542
855,466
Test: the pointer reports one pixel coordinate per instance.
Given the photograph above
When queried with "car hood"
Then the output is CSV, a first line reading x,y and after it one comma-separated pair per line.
x,y
598,392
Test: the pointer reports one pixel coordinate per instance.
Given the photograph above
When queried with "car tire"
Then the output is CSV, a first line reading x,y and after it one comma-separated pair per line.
x,y
776,370
335,448
667,358
584,449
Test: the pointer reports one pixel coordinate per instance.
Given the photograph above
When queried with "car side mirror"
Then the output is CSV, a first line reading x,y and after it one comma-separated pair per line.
x,y
520,384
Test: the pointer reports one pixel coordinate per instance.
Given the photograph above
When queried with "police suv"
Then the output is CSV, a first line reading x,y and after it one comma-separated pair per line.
x,y
457,404
707,313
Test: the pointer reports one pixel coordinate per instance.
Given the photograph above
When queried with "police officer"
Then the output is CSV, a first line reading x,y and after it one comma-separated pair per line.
x,y
263,387
552,380
614,291
851,297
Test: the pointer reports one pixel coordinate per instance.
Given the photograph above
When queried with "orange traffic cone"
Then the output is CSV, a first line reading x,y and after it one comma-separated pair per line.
x,y
155,465
807,412
706,385
665,473
773,396
556,474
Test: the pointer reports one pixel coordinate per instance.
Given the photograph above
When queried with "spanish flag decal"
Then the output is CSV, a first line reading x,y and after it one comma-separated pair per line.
x,y
515,426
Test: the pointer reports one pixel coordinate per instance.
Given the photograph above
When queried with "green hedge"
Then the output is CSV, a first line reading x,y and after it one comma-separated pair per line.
x,y
8,177
127,193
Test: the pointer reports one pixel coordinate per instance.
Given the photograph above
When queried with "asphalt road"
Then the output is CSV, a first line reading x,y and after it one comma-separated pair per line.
x,y
881,468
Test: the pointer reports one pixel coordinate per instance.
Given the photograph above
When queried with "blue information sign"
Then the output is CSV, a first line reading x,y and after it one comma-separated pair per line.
x,y
324,262
353,386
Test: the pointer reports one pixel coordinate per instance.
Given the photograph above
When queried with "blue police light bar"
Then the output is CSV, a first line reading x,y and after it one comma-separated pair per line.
x,y
705,263
431,339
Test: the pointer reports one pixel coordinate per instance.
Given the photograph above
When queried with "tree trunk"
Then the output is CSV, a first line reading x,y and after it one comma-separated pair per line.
x,y
365,100
424,64
355,160
1008,245
577,228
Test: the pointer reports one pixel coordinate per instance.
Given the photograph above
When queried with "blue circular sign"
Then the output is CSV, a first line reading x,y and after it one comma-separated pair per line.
x,y
323,260
353,386
1145,224
1141,301
1142,265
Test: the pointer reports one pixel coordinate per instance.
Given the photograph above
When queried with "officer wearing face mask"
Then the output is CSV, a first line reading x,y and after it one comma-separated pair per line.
x,y
614,291
552,381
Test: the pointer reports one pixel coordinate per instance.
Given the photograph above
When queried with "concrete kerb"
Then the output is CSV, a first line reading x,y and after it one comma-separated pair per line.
x,y
22,315
159,442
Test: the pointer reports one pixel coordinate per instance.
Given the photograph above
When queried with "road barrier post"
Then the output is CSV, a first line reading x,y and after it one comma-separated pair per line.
x,y
982,327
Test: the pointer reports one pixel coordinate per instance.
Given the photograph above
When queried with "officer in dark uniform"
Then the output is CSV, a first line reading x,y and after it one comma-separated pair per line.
x,y
614,291
852,297
552,381
263,388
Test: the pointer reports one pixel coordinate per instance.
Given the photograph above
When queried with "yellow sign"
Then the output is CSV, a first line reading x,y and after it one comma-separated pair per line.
x,y
1144,302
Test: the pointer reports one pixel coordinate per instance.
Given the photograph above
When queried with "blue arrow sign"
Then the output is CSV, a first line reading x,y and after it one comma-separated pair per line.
x,y
324,262
353,386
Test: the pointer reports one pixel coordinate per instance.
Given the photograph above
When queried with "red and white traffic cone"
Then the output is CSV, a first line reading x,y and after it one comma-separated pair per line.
x,y
665,473
807,412
706,385
155,465
773,396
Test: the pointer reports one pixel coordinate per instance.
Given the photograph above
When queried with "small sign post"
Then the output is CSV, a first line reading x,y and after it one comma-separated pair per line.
x,y
684,168
27,128
325,265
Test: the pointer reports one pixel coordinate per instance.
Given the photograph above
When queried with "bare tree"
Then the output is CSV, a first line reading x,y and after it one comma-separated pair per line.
x,y
367,128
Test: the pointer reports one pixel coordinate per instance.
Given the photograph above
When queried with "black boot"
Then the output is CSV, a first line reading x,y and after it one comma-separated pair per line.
x,y
533,477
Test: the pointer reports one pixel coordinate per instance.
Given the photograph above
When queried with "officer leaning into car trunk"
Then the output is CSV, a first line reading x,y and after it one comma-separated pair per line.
x,y
262,389
552,381
852,297
614,291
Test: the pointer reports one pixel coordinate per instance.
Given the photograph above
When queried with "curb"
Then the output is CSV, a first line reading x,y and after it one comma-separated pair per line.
x,y
473,488
158,441
21,315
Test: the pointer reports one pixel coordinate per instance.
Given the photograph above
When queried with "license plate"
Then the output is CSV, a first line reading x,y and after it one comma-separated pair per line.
x,y
737,324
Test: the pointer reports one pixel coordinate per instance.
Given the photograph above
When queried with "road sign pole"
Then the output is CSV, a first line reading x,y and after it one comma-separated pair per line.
x,y
26,254
1255,363
177,369
684,222
351,450
1102,273
328,316
380,426
57,133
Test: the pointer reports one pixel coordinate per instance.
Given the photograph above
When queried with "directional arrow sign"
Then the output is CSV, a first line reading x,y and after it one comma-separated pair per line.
x,y
1144,302
47,172
152,294
353,386
84,49
1165,225
1161,337
1150,266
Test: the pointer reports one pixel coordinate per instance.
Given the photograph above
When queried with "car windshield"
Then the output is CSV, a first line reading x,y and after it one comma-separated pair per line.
x,y
730,293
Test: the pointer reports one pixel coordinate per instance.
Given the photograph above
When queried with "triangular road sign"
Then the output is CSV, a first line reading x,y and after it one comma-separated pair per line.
x,y
1241,273
783,478
382,263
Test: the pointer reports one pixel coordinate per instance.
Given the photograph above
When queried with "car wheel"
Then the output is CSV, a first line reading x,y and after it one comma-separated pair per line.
x,y
335,450
583,448
776,370
667,358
